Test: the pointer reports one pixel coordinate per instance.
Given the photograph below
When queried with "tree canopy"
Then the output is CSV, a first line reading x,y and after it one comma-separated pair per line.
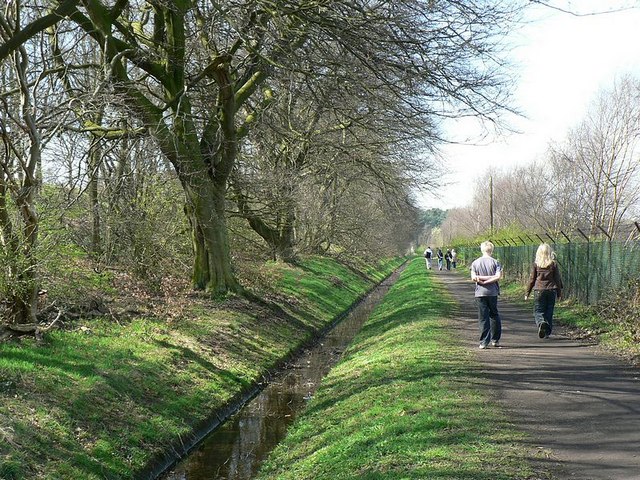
x,y
311,121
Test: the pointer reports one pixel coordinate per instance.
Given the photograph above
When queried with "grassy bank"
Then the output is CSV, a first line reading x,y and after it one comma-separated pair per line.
x,y
402,404
100,398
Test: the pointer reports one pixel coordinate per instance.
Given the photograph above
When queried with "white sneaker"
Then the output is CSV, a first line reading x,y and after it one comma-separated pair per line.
x,y
495,343
483,346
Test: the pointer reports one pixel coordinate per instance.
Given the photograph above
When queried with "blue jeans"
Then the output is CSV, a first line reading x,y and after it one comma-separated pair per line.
x,y
488,319
544,302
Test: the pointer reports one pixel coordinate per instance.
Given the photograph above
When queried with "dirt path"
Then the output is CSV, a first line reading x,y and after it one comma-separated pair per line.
x,y
579,407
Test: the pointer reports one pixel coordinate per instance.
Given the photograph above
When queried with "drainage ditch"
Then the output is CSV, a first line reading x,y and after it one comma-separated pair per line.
x,y
236,449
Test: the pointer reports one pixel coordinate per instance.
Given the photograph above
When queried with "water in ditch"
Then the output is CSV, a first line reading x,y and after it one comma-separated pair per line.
x,y
235,450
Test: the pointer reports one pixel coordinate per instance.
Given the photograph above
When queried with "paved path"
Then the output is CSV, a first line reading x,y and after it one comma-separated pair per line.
x,y
579,407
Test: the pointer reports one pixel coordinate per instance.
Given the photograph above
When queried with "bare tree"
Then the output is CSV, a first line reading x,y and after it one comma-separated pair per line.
x,y
599,161
20,161
590,181
189,69
315,127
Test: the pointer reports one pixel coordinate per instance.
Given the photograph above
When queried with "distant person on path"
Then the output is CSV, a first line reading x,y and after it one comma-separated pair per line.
x,y
485,272
546,284
428,254
440,257
447,257
454,257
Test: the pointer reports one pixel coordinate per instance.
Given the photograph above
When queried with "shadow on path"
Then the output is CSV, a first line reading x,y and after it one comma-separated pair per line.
x,y
579,407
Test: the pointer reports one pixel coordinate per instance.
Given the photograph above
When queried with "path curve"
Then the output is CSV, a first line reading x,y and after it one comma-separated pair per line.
x,y
579,407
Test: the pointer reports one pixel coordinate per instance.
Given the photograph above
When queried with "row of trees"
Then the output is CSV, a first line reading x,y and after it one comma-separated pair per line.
x,y
311,120
589,181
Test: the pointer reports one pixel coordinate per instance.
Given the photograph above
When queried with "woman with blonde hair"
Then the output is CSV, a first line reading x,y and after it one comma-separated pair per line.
x,y
546,284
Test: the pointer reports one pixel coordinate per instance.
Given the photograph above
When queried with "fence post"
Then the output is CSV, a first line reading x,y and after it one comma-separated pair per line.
x,y
610,262
588,281
605,232
552,240
582,233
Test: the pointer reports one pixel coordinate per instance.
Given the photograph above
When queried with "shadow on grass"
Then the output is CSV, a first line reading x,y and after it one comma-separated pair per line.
x,y
101,403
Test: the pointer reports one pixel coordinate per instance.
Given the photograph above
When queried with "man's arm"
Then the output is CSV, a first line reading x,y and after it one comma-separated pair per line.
x,y
485,280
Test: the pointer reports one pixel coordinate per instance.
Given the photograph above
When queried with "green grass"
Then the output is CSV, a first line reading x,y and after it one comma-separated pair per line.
x,y
98,402
402,404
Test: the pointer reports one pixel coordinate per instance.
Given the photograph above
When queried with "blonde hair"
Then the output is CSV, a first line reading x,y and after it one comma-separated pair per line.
x,y
486,247
544,255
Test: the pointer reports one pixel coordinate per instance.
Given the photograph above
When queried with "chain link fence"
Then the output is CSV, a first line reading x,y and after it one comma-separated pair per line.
x,y
590,270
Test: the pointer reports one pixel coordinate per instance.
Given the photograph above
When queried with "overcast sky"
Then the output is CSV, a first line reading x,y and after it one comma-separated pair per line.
x,y
561,62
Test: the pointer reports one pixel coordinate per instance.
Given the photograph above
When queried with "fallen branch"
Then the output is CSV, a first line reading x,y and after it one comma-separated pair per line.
x,y
35,328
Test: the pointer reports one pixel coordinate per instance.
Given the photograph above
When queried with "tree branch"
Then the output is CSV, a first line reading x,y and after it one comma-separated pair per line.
x,y
64,9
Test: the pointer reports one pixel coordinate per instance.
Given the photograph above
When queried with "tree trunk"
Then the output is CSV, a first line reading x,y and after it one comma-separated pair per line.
x,y
280,238
286,238
95,153
19,239
24,303
20,264
212,270
26,294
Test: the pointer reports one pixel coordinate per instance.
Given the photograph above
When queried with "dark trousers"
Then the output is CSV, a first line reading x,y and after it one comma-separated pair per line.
x,y
488,319
544,302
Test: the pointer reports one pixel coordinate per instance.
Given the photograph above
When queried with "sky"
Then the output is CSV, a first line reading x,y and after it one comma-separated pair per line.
x,y
561,62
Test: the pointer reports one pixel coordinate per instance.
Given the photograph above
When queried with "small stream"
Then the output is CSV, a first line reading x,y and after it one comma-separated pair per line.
x,y
236,449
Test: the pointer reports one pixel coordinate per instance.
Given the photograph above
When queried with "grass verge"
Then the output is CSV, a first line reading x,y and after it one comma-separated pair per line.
x,y
101,398
402,404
